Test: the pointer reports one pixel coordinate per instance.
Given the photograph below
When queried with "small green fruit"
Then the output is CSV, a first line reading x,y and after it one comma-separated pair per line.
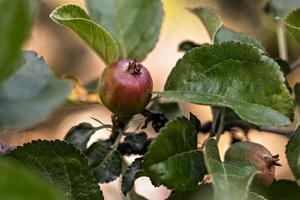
x,y
257,155
125,88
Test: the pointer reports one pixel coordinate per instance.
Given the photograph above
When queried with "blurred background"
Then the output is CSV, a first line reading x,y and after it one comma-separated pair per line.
x,y
67,54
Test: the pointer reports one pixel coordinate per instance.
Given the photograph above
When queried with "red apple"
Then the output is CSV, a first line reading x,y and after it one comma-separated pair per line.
x,y
125,88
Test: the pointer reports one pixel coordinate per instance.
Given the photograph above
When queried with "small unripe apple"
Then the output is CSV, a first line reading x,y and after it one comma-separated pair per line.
x,y
125,88
258,155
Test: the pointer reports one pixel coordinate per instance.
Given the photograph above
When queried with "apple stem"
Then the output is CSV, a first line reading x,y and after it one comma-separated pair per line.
x,y
119,126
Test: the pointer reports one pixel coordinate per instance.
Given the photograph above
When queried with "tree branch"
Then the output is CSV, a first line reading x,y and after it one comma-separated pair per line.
x,y
205,128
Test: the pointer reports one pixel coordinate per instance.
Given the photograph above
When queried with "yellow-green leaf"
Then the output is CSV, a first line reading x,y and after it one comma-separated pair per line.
x,y
92,33
292,22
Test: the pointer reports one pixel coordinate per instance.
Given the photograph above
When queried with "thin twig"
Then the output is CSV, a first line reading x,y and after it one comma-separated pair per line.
x,y
284,132
97,120
118,139
119,126
295,64
279,131
104,126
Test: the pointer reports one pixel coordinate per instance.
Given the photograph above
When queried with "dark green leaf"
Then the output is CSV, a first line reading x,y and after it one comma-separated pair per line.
x,y
297,94
211,20
203,192
195,122
283,190
136,141
92,33
233,75
293,153
284,66
15,22
106,161
188,45
231,180
173,159
282,7
93,85
31,94
134,144
297,102
170,109
61,164
218,33
16,183
135,24
79,135
231,120
292,22
134,171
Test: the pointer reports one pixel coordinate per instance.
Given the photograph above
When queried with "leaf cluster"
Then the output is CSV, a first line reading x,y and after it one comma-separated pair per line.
x,y
234,75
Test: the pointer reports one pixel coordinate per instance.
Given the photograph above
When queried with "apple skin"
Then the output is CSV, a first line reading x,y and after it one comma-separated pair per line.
x,y
258,155
125,88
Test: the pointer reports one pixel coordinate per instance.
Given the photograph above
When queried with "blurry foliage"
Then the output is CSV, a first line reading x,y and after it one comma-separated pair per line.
x,y
30,91
17,183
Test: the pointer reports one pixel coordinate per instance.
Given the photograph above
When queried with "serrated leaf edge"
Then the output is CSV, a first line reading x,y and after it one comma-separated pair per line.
x,y
264,58
77,151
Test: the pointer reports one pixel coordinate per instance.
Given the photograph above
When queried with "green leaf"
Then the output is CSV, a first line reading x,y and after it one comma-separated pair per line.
x,y
31,93
92,33
15,22
135,24
293,153
80,135
283,190
106,161
170,109
233,75
210,19
226,34
231,180
61,164
134,143
217,32
92,86
173,159
231,120
297,102
195,122
282,8
292,22
188,45
134,171
16,183
203,192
